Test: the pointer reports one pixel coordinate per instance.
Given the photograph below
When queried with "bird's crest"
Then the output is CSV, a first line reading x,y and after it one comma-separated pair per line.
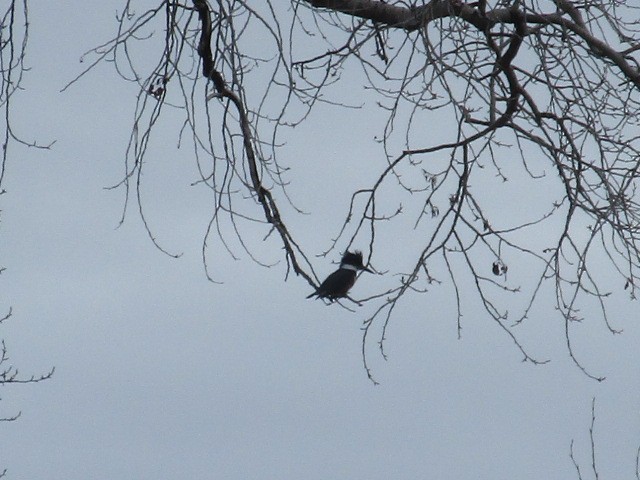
x,y
352,258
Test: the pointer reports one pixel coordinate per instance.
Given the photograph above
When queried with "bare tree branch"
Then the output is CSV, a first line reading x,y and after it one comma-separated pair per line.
x,y
539,94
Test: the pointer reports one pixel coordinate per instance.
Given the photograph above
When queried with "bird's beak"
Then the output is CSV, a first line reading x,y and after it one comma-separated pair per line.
x,y
366,269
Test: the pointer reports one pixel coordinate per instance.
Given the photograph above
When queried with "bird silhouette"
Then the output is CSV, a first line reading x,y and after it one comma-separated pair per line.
x,y
338,284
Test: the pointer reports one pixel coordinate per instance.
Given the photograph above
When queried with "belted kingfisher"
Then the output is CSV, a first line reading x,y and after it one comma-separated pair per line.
x,y
339,282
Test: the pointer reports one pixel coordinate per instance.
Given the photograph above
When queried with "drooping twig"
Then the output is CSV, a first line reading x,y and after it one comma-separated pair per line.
x,y
268,203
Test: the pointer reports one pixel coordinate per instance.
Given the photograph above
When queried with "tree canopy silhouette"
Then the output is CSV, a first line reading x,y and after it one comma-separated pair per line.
x,y
543,94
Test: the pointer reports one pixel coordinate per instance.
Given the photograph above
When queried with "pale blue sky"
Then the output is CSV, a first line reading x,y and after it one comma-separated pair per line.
x,y
161,374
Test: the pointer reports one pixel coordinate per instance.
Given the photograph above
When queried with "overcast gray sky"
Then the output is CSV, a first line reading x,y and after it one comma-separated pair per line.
x,y
161,374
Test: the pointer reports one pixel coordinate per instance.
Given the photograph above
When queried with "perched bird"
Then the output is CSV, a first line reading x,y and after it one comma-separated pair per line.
x,y
339,282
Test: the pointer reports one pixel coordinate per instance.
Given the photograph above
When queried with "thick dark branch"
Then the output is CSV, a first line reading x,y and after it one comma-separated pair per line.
x,y
392,15
415,18
405,17
204,46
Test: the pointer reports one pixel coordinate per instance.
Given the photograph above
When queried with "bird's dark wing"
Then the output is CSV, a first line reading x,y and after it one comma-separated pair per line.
x,y
336,285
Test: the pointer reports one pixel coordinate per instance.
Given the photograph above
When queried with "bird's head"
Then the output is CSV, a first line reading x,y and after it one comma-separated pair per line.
x,y
353,260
